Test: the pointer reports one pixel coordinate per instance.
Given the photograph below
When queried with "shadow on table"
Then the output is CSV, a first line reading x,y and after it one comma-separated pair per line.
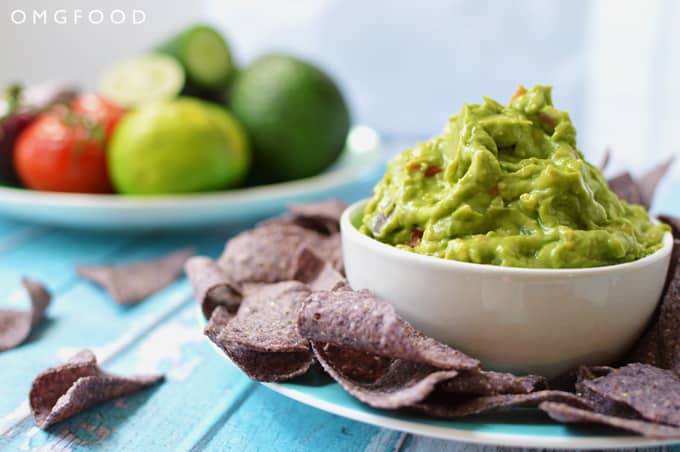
x,y
92,427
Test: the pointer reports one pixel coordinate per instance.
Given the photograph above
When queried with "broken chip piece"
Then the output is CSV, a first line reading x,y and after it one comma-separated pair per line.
x,y
211,285
262,338
131,283
562,412
16,326
364,322
64,391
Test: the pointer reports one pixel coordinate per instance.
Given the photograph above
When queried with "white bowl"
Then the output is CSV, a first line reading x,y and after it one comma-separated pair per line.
x,y
543,321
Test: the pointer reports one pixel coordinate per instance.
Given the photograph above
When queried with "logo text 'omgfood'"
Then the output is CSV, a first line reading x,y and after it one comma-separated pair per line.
x,y
77,16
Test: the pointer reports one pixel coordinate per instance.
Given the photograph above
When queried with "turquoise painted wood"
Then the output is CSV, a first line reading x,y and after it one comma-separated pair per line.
x,y
205,403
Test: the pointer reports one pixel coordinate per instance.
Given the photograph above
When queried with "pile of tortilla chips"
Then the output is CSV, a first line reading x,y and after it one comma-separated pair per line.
x,y
277,303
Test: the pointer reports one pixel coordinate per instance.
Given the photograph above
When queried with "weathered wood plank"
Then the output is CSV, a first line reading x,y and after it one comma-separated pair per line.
x,y
203,399
82,315
282,424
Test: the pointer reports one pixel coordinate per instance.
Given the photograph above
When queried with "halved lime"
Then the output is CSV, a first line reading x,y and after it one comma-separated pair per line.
x,y
204,54
142,79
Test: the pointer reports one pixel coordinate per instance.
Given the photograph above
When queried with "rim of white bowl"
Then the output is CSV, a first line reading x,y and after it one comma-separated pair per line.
x,y
347,227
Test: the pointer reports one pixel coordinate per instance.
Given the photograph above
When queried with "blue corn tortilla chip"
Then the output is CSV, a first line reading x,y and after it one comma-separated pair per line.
x,y
262,338
649,181
211,285
322,216
486,383
16,326
131,283
366,323
565,413
604,161
317,273
641,190
444,406
674,223
626,188
359,366
402,384
660,344
66,390
646,391
267,253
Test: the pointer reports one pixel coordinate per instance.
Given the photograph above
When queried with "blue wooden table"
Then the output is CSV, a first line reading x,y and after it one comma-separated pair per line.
x,y
205,402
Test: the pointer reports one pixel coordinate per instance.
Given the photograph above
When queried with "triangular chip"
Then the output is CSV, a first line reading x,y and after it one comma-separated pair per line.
x,y
131,283
639,190
66,390
16,326
626,188
649,181
364,322
652,393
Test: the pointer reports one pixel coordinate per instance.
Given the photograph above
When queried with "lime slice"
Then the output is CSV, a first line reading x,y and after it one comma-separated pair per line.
x,y
204,54
142,79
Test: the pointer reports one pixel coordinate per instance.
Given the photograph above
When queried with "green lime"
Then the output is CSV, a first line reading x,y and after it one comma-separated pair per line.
x,y
178,146
204,54
142,79
295,115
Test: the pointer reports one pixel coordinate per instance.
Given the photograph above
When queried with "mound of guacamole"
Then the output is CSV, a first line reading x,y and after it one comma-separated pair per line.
x,y
506,185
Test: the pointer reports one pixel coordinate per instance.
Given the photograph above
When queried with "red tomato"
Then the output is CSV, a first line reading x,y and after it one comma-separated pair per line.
x,y
99,110
61,151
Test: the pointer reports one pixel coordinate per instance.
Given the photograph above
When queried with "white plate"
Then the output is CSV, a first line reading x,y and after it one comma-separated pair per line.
x,y
515,428
359,162
518,427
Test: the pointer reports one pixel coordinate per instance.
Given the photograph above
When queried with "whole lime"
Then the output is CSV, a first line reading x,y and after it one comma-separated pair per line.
x,y
295,115
178,146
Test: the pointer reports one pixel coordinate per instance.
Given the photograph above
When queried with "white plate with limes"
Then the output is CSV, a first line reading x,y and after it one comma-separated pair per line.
x,y
356,169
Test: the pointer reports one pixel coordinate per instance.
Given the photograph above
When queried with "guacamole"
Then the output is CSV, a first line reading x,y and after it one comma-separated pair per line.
x,y
506,185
